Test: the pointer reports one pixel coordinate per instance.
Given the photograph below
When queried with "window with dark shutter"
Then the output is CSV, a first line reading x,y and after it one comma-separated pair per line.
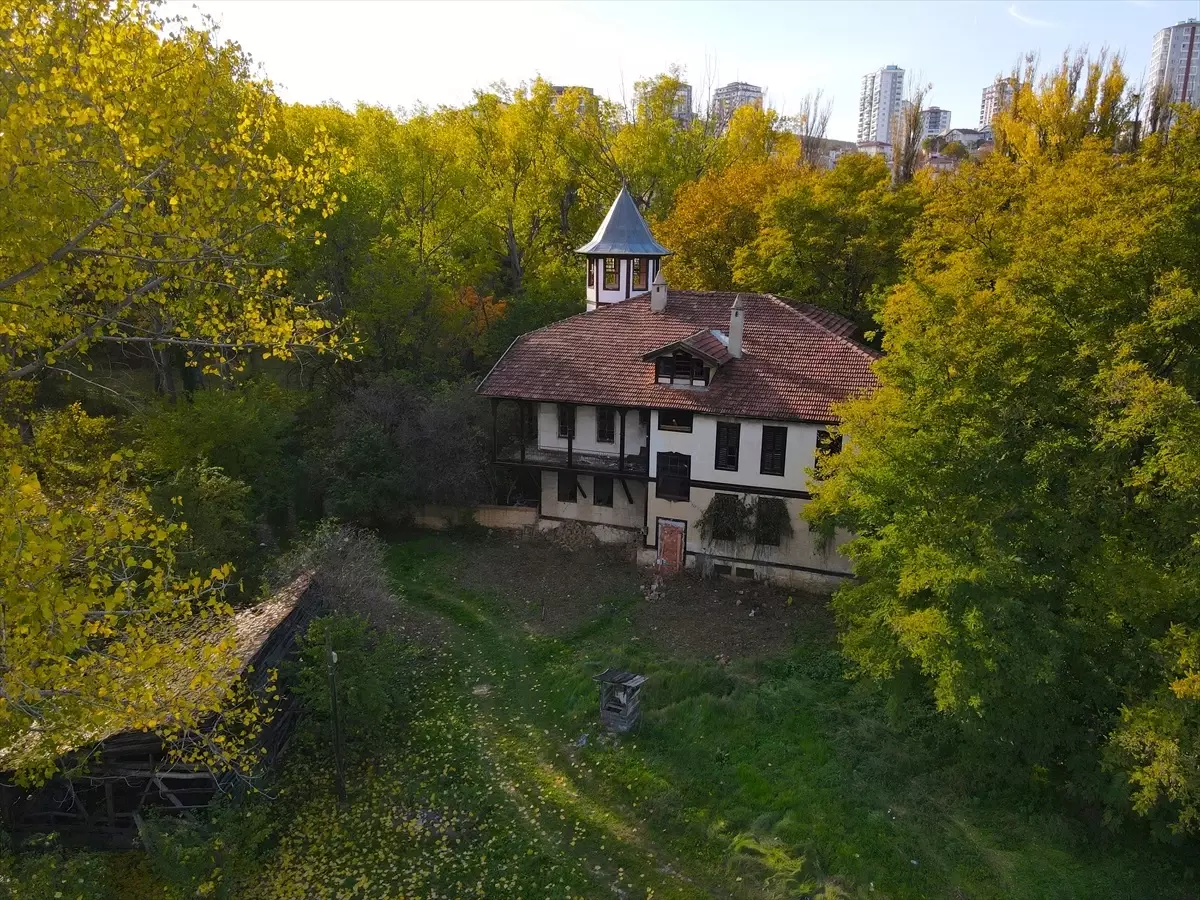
x,y
729,439
674,479
774,449
566,420
640,269
567,488
612,277
602,490
606,424
674,420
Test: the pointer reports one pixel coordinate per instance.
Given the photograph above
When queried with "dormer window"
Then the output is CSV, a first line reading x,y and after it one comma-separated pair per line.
x,y
692,361
681,368
612,277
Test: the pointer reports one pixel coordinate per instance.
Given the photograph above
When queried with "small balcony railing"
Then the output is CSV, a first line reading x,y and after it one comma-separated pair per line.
x,y
608,463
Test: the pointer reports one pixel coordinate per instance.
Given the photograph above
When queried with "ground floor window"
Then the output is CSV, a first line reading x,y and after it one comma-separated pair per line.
x,y
568,488
772,521
722,519
602,490
674,479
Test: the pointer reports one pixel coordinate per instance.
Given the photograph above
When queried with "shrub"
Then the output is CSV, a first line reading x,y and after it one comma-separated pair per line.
x,y
391,448
371,682
215,856
349,571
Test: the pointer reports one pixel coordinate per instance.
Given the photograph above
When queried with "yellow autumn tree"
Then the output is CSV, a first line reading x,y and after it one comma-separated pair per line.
x,y
144,204
143,201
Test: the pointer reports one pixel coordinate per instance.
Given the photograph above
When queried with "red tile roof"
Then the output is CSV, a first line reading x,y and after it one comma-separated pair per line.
x,y
798,360
703,343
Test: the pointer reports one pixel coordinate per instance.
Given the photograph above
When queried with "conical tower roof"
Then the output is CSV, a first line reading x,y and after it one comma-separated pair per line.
x,y
624,232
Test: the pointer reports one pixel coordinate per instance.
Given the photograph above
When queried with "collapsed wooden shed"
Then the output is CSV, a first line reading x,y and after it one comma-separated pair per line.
x,y
115,776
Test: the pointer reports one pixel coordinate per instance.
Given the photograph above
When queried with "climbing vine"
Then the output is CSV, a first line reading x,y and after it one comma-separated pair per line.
x,y
762,521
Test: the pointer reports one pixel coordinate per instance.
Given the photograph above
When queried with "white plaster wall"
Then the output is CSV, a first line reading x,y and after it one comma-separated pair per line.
x,y
622,513
798,550
701,445
814,582
585,431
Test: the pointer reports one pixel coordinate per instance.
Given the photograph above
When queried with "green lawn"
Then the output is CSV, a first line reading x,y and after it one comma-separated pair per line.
x,y
765,775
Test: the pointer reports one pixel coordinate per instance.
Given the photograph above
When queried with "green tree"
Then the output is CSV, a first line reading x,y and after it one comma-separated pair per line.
x,y
832,238
955,150
1024,485
716,216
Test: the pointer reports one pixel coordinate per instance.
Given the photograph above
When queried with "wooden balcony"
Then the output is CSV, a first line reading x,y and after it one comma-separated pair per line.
x,y
633,466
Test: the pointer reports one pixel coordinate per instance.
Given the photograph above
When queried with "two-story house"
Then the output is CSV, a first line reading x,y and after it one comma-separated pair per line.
x,y
685,420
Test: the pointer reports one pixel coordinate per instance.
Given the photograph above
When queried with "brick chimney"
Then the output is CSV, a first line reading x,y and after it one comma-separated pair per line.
x,y
658,293
737,316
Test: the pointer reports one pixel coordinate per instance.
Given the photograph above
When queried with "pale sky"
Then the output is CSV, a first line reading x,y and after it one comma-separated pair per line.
x,y
400,54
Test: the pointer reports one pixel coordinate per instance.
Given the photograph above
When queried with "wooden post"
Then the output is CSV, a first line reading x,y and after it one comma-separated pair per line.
x,y
521,407
621,458
571,437
330,662
495,430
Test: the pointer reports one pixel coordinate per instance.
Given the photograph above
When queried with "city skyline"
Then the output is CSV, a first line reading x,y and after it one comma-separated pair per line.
x,y
358,52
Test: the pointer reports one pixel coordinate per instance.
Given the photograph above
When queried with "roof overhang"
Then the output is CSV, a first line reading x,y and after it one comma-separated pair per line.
x,y
703,344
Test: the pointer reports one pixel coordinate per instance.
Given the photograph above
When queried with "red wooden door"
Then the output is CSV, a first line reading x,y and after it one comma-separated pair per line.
x,y
671,545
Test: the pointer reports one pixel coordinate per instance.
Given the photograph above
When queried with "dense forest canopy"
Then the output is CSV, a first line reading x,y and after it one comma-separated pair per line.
x,y
223,318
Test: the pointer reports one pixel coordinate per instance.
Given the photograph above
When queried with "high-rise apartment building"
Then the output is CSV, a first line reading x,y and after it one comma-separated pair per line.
x,y
732,96
996,96
879,103
1175,63
934,120
682,112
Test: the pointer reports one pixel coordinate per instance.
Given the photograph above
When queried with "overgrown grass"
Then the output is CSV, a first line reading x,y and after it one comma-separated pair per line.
x,y
769,778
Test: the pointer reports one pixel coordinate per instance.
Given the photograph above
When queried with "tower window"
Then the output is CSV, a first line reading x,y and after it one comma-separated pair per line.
x,y
591,273
612,277
640,270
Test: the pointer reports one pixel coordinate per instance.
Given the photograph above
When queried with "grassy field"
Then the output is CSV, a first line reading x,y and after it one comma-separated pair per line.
x,y
760,771
755,774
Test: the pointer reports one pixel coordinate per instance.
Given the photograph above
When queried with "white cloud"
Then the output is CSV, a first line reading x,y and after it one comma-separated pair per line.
x,y
1028,20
